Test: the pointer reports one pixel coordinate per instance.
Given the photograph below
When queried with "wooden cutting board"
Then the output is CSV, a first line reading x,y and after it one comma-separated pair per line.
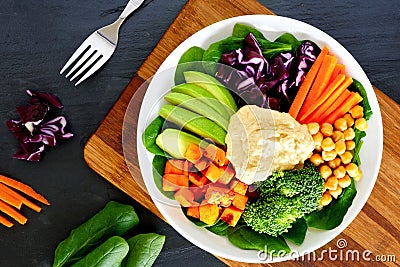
x,y
376,228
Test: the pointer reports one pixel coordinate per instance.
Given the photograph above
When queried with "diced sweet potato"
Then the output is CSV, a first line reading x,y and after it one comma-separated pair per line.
x,y
185,197
202,164
193,212
173,182
225,200
213,172
231,215
215,192
240,201
209,213
193,153
216,154
198,192
227,175
198,179
174,166
239,187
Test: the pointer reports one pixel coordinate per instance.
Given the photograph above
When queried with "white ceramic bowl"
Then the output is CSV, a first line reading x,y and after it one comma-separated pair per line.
x,y
272,27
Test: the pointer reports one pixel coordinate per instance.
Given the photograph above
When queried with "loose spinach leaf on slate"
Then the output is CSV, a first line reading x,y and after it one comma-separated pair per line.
x,y
242,30
150,134
109,254
332,215
113,219
158,172
289,39
245,238
297,232
143,250
190,60
219,228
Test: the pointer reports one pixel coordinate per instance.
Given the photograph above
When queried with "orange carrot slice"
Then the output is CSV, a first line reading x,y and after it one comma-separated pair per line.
x,y
339,69
324,75
18,196
10,211
11,200
24,189
307,83
6,222
354,99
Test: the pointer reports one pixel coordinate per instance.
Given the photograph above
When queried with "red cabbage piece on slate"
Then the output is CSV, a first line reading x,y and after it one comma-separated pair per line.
x,y
37,126
269,83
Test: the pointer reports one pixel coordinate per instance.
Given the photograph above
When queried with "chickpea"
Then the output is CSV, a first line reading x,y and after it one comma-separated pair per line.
x,y
331,183
340,124
317,139
358,176
357,112
350,144
361,124
349,120
337,135
339,172
345,181
325,171
318,149
313,128
346,157
340,147
326,199
316,159
349,134
326,129
327,144
329,155
336,193
352,169
334,163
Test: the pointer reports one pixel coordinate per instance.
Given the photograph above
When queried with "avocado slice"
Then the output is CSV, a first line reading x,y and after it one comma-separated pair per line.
x,y
204,96
175,142
195,105
212,85
194,123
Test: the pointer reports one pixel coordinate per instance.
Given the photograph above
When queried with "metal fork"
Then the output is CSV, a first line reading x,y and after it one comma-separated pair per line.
x,y
98,47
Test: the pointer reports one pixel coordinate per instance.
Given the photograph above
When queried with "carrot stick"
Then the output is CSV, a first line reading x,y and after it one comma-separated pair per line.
x,y
18,196
9,199
306,84
344,108
328,104
10,211
339,69
313,102
324,75
24,189
6,222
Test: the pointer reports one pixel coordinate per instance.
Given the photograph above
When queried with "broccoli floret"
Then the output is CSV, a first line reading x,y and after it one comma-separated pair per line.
x,y
283,198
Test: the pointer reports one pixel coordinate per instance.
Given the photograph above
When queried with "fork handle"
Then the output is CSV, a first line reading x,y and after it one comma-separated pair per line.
x,y
130,7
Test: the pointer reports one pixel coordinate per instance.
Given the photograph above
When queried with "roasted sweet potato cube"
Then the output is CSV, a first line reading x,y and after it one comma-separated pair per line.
x,y
225,200
202,164
193,153
240,201
173,182
198,179
209,213
216,154
227,175
215,192
185,197
174,166
198,193
231,215
239,187
213,172
193,212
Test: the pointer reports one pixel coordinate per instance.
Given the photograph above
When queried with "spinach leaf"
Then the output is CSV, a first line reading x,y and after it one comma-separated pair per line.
x,y
190,60
109,254
245,238
332,215
272,49
364,103
289,39
297,232
158,172
143,250
242,30
359,135
113,219
219,228
150,134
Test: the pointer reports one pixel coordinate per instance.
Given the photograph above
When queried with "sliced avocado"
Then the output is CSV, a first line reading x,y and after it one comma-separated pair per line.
x,y
212,85
195,105
194,123
204,96
175,142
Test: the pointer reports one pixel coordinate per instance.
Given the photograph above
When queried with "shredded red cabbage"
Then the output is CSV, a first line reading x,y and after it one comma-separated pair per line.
x,y
269,83
37,128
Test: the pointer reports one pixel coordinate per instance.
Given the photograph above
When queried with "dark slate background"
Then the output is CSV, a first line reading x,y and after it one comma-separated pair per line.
x,y
37,37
